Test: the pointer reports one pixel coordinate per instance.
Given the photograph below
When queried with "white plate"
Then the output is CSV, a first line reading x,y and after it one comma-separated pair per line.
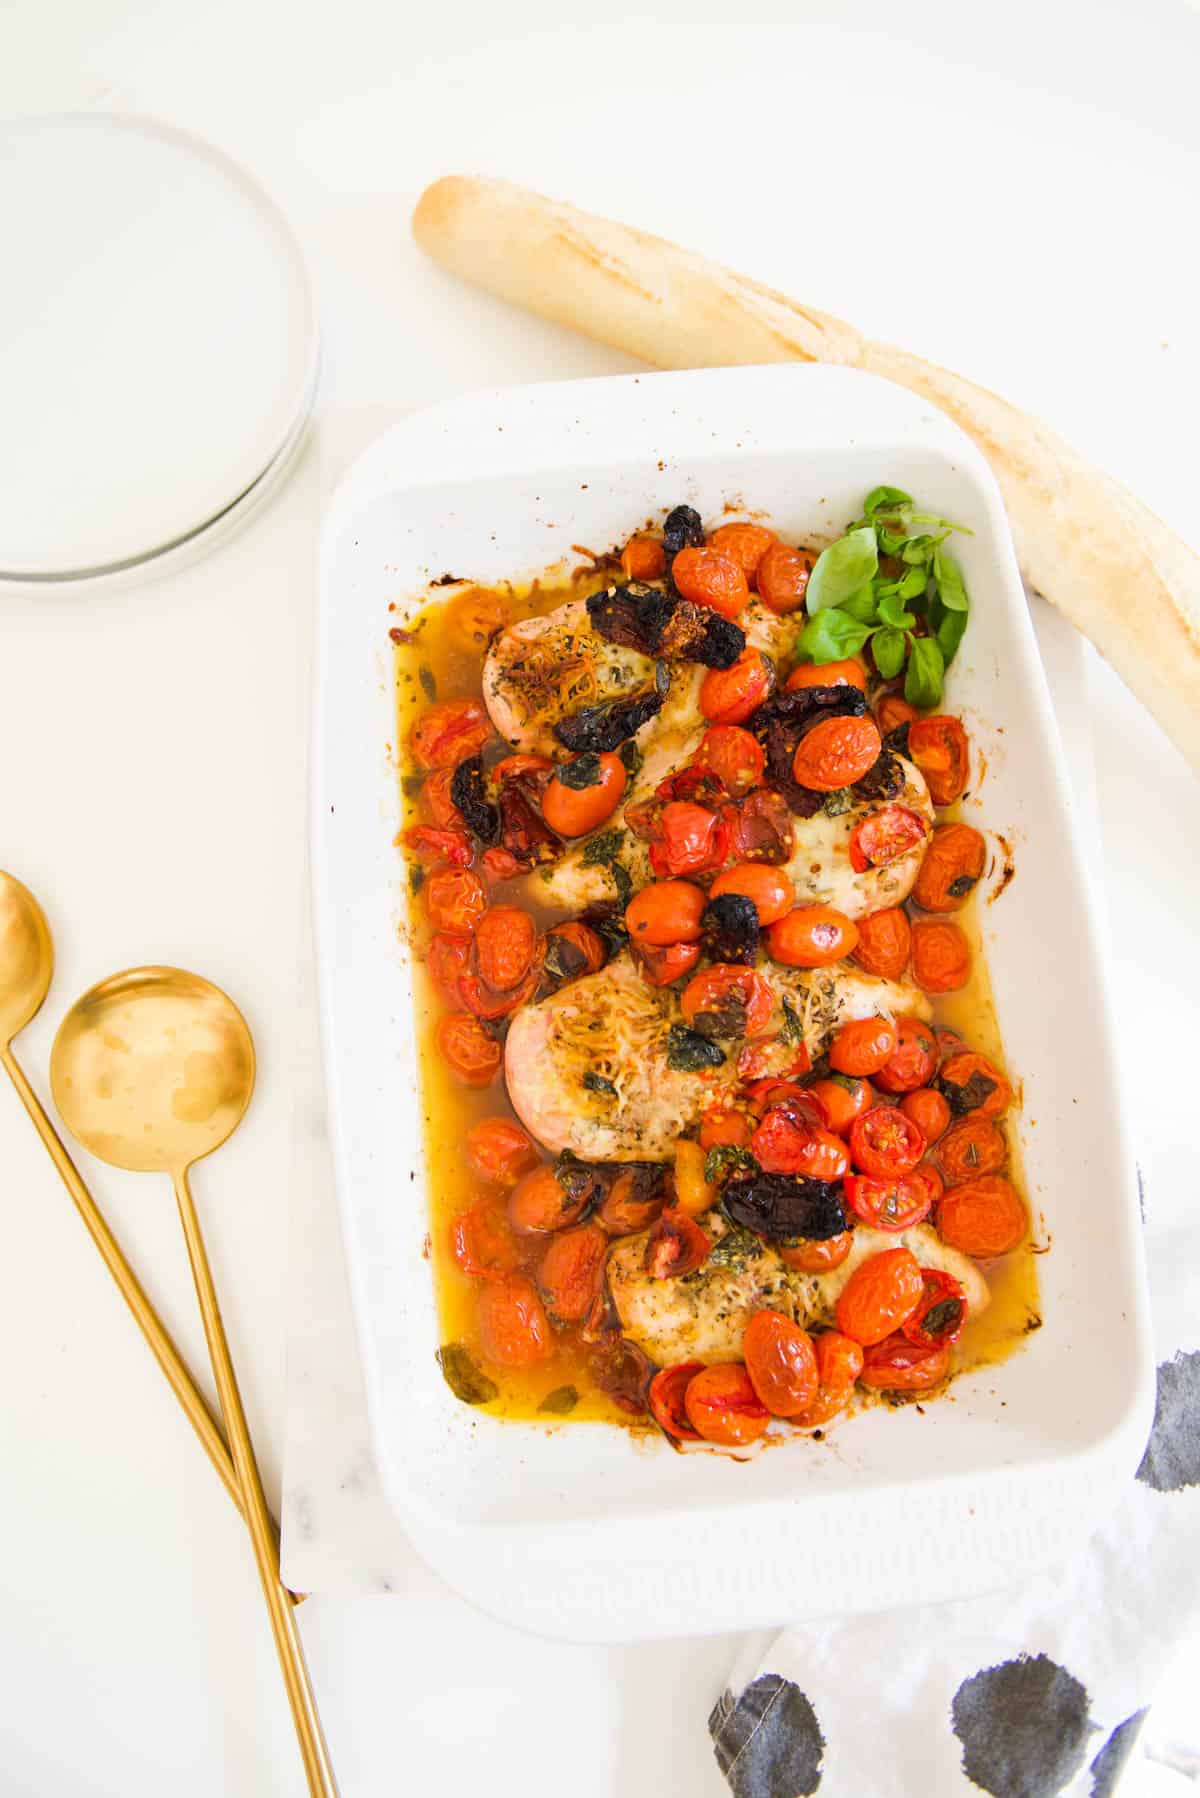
x,y
580,1531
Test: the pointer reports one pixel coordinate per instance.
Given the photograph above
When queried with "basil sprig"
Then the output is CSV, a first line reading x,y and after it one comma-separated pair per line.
x,y
851,601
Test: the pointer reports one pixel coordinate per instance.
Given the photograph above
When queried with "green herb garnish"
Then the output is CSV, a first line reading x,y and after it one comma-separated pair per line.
x,y
596,1083
688,1051
428,681
465,1380
632,757
725,1159
580,772
559,1402
793,1028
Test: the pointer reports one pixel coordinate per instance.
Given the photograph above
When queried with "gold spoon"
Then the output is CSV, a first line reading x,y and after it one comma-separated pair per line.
x,y
152,1070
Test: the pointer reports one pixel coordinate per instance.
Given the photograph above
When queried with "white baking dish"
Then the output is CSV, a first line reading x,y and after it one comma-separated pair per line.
x,y
580,1531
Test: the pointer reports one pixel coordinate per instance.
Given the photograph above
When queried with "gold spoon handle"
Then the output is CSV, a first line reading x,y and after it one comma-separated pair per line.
x,y
317,1766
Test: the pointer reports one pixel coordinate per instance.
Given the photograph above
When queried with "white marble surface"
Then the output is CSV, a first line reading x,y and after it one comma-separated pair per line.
x,y
153,747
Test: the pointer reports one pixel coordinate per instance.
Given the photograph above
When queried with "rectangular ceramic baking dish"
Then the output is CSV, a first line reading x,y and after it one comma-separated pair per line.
x,y
582,1531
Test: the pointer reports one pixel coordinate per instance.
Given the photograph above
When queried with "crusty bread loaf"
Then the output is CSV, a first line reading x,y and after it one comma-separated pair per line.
x,y
1084,542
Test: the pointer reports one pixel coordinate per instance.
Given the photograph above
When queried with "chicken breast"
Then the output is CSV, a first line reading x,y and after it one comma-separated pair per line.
x,y
820,868
544,669
703,1316
588,1068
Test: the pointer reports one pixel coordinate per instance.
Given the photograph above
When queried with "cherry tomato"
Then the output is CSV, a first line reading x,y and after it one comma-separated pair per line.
x,y
499,1149
835,753
498,864
928,1111
763,1092
472,1051
722,1406
708,577
536,769
811,936
884,941
898,1365
885,1142
571,1272
939,1318
734,756
505,946
949,1043
881,1293
691,840
970,1148
727,1000
583,792
843,1098
513,1327
482,1243
893,711
435,796
885,836
773,1056
644,559
675,1246
912,1061
780,1362
483,1002
769,891
746,544
862,1046
667,1391
455,900
782,577
938,746
951,869
805,1255
787,1144
972,1083
984,1217
941,956
839,1363
665,913
432,846
664,966
573,949
729,695
541,1202
722,1125
447,734
475,615
760,828
448,960
927,1176
849,673
632,1203
890,1202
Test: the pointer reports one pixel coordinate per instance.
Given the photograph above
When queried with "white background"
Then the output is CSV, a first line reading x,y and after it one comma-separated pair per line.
x,y
1011,191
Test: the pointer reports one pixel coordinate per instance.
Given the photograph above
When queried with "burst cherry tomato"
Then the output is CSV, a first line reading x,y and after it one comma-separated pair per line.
x,y
941,956
885,836
734,756
482,1001
535,769
455,900
913,1060
482,1243
884,941
541,1202
644,559
583,792
632,1203
675,1246
805,1255
767,1090
760,828
951,869
723,1126
472,1051
663,966
892,1202
708,577
571,1272
513,1328
447,734
747,544
862,1046
972,1083
505,945
691,840
970,1148
881,1293
835,753
927,1176
435,795
432,846
722,1406
475,616
780,1363
727,1000
898,1365
938,746
939,1318
729,695
787,1144
928,1111
839,1363
769,891
828,674
885,1142
448,960
574,949
893,711
667,1390
499,1149
782,577
665,913
983,1218
811,936
843,1098
498,864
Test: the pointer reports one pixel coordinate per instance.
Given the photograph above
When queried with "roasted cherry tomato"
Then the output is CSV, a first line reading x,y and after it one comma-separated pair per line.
x,y
447,734
472,1052
708,577
571,1272
893,711
448,960
787,1143
941,956
939,1318
482,1001
811,936
734,756
433,846
727,1000
722,1406
774,1089
506,941
747,544
828,674
583,792
928,1111
499,1149
898,1365
644,559
675,1246
782,577
723,1126
843,1098
691,840
862,1046
632,1202
541,1202
694,1192
805,1255
667,912
498,864
972,1147
773,1057
885,836
664,966
482,1243
913,1060
881,1293
535,769
667,1391
927,1175
435,796
972,1083
513,1327
984,1217
769,891
889,1202
938,746
839,1363
455,900
729,695
573,949
780,1362
474,616
951,869
884,941
885,1142
835,753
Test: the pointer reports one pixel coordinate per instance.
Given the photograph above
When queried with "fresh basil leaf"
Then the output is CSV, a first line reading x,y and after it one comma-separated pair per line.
x,y
887,646
952,589
892,612
949,634
885,498
890,542
860,606
843,570
830,636
919,551
913,583
923,681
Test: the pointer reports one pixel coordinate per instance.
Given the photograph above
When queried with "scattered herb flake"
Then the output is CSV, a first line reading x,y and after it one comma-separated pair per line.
x,y
560,1402
465,1380
596,1083
428,681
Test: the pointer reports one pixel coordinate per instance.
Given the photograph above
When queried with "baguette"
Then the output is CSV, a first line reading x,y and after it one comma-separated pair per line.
x,y
1083,541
